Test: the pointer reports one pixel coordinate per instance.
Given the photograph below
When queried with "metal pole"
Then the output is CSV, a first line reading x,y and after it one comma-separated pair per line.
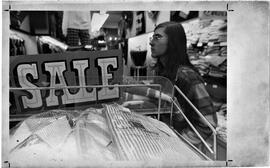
x,y
97,86
207,122
171,123
195,148
159,103
197,111
194,129
86,86
215,147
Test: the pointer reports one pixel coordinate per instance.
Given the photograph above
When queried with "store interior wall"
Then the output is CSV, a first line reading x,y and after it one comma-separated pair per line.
x,y
163,16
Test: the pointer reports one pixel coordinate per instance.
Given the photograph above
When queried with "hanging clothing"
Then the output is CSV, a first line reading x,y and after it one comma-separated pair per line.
x,y
76,26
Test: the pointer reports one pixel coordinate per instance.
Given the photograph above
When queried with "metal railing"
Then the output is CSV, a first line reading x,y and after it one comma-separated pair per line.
x,y
214,151
174,103
95,86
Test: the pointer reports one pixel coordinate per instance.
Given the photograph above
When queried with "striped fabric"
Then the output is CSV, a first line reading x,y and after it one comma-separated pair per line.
x,y
192,85
201,99
142,138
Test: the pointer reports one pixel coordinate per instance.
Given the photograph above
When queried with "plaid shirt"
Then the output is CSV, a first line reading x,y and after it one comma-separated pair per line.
x,y
192,85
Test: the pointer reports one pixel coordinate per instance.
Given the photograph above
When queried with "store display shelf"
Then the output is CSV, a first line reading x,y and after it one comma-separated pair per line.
x,y
160,108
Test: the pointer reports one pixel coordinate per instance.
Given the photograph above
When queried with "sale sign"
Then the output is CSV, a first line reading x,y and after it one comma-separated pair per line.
x,y
60,72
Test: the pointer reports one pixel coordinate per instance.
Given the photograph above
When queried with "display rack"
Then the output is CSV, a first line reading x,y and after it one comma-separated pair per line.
x,y
158,111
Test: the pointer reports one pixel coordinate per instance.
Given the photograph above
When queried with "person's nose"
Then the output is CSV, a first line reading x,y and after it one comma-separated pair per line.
x,y
151,42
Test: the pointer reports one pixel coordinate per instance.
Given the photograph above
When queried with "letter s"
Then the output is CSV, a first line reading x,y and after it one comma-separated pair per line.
x,y
22,71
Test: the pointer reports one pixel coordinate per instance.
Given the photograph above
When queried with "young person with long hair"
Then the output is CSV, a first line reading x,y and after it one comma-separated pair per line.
x,y
168,46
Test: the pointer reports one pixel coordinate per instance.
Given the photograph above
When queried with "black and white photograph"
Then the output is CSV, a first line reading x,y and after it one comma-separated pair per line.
x,y
155,84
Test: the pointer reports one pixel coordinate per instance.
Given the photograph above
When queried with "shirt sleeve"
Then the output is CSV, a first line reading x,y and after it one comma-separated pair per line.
x,y
194,89
201,99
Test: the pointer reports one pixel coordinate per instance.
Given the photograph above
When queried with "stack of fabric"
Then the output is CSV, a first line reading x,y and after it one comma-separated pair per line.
x,y
143,138
61,138
192,30
207,45
94,137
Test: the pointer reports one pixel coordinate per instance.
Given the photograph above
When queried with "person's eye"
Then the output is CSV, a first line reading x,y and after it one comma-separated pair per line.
x,y
157,36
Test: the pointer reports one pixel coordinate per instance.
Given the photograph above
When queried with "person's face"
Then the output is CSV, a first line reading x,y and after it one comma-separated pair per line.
x,y
158,43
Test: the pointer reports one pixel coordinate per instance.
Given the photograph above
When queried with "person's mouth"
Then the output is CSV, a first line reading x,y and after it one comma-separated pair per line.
x,y
152,52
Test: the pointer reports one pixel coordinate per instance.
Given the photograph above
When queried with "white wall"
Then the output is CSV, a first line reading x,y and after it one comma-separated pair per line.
x,y
162,17
150,25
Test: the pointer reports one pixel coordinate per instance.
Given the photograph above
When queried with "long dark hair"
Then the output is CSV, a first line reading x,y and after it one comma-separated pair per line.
x,y
176,53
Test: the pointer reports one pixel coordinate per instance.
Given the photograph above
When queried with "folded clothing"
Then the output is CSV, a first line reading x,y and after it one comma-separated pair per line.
x,y
92,137
141,138
61,138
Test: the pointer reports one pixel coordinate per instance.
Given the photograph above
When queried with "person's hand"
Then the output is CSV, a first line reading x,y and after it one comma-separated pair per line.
x,y
164,97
